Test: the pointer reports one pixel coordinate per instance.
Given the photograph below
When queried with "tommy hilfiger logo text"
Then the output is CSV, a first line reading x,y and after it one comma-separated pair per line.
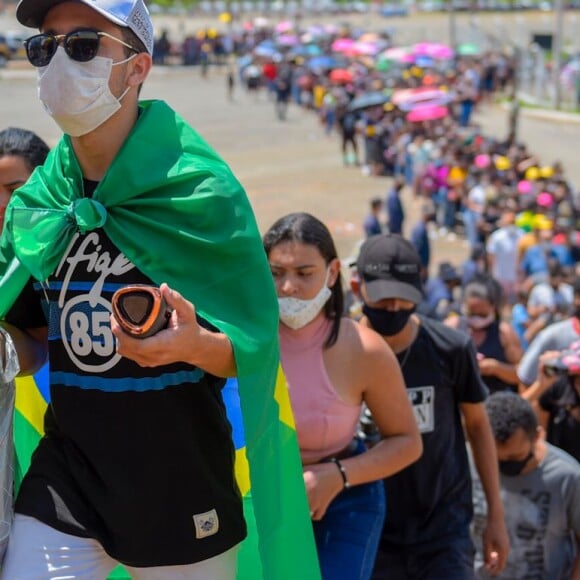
x,y
206,524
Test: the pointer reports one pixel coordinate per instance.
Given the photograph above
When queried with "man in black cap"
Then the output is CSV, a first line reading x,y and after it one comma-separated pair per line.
x,y
426,533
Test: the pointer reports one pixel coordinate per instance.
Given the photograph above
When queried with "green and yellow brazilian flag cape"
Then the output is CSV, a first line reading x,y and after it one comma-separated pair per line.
x,y
174,208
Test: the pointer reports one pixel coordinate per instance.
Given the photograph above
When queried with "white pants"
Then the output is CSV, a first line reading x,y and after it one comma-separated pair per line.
x,y
38,552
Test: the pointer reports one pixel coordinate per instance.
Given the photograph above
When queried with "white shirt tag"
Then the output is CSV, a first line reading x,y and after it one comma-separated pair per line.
x,y
206,524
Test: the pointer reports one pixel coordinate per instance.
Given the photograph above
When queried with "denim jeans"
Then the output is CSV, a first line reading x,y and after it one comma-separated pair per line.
x,y
465,114
470,221
348,535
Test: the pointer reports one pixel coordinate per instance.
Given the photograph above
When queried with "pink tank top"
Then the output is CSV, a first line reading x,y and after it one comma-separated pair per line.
x,y
325,424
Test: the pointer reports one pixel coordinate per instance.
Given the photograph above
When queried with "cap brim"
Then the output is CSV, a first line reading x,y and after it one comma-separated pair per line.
x,y
31,13
377,290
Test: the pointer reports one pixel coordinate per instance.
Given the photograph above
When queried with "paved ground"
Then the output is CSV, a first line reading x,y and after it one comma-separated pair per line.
x,y
287,166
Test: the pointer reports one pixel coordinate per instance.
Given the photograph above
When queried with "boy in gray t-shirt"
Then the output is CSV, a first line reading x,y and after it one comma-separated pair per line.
x,y
540,488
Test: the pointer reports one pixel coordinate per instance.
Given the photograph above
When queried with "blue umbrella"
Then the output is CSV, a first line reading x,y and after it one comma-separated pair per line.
x,y
265,51
366,100
244,61
322,62
267,43
424,61
306,50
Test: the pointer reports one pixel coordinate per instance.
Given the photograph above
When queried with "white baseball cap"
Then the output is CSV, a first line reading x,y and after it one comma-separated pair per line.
x,y
132,14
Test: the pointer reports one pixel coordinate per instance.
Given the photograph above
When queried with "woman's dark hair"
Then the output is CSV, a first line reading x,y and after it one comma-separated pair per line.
x,y
306,229
485,287
507,413
25,144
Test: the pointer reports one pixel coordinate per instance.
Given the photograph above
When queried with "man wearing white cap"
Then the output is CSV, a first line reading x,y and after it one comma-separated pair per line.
x,y
137,462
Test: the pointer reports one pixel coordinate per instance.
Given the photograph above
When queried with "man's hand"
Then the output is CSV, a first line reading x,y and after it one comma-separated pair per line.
x,y
184,340
496,545
167,346
544,380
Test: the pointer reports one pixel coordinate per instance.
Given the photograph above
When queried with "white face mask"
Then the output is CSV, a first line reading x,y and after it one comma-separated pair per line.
x,y
297,313
76,94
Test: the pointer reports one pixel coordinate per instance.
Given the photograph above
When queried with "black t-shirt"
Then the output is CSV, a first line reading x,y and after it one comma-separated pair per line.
x,y
430,500
141,459
563,428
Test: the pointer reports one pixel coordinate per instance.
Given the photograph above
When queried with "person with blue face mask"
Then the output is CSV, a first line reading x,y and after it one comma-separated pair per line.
x,y
334,367
427,532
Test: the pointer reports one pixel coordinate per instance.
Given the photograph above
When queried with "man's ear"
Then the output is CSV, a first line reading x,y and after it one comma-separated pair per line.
x,y
140,70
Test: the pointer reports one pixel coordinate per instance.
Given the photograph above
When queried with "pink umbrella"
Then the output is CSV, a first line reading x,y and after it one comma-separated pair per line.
x,y
525,186
444,99
433,50
427,113
363,48
417,95
396,53
285,26
482,161
342,44
544,199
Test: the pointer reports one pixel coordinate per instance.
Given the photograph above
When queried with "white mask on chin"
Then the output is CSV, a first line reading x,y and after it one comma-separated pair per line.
x,y
297,313
77,94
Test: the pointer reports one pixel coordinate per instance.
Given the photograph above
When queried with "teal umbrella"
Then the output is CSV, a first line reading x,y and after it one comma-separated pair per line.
x,y
468,49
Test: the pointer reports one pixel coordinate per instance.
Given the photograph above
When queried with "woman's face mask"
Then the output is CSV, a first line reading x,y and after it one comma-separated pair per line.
x,y
297,313
478,322
77,94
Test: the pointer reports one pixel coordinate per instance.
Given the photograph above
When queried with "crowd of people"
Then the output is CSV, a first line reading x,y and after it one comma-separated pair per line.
x,y
436,406
515,298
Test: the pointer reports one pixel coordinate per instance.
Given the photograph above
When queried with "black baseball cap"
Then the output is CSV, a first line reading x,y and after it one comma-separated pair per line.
x,y
390,267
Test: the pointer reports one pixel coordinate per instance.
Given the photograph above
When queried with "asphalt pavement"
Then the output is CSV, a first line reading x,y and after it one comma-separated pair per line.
x,y
286,166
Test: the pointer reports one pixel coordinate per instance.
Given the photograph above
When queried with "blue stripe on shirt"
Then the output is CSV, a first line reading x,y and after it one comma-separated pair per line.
x,y
118,385
77,286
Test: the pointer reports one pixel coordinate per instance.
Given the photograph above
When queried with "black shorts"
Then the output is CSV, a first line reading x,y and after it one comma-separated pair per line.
x,y
448,560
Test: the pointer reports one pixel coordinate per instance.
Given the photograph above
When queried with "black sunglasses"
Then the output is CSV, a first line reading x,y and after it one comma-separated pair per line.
x,y
80,45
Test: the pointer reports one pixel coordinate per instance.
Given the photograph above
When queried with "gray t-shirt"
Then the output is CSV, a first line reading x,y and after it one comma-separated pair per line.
x,y
542,513
560,299
557,336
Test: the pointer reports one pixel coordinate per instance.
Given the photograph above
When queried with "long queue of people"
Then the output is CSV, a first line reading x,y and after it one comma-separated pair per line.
x,y
516,300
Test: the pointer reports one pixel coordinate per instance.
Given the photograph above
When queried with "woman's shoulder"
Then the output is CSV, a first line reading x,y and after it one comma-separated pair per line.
x,y
360,339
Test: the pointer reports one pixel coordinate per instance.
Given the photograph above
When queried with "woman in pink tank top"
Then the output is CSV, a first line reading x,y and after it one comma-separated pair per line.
x,y
333,367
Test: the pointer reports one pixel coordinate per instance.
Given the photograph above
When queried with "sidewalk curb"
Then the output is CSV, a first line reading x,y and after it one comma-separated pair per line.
x,y
546,114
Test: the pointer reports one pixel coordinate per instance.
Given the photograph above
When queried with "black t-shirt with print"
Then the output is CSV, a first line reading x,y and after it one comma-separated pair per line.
x,y
430,500
141,459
